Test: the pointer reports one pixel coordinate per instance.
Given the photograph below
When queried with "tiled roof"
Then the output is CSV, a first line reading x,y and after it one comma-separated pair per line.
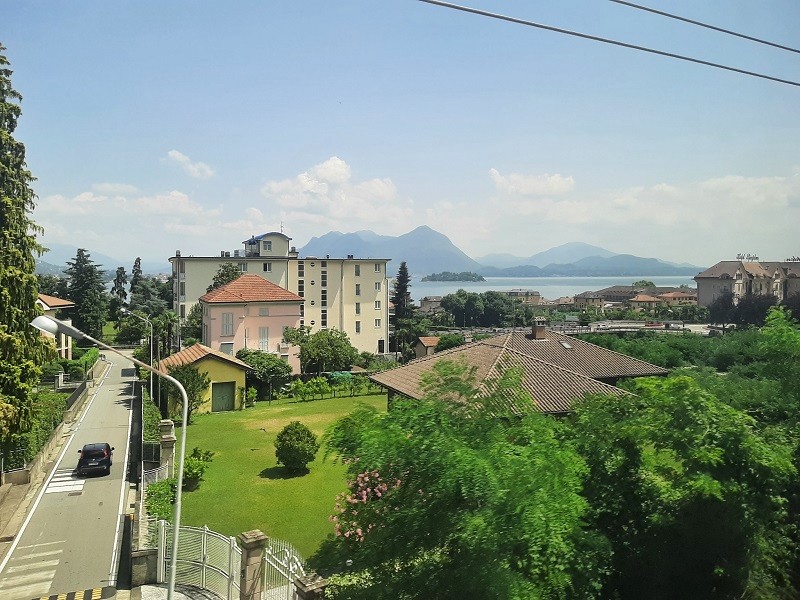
x,y
53,302
250,288
429,341
644,298
764,269
557,369
194,353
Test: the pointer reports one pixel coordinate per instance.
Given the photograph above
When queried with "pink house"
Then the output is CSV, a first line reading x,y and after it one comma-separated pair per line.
x,y
252,313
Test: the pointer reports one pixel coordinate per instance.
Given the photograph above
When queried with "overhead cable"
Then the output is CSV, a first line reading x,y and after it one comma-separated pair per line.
x,y
706,25
607,41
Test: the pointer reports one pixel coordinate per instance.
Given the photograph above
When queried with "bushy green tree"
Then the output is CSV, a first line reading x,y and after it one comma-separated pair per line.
x,y
449,498
194,382
685,490
53,285
225,274
296,446
192,326
136,275
87,291
268,373
148,298
327,350
22,348
449,340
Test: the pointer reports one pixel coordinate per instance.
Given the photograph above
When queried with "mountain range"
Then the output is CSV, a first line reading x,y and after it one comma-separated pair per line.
x,y
428,251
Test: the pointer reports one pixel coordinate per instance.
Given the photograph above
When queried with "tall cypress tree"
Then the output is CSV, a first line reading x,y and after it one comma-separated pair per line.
x,y
22,348
136,275
87,291
400,299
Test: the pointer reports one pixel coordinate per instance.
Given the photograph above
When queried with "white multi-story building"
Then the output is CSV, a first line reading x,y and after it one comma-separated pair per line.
x,y
350,294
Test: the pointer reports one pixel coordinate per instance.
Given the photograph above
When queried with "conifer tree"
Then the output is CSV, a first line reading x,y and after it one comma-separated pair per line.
x,y
22,348
136,275
87,291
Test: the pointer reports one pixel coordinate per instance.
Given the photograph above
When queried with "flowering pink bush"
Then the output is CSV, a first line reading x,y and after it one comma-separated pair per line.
x,y
365,498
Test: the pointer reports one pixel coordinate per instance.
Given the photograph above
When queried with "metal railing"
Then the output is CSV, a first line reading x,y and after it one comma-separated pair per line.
x,y
212,561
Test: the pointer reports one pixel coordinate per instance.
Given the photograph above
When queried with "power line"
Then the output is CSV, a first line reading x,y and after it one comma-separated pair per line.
x,y
706,25
607,41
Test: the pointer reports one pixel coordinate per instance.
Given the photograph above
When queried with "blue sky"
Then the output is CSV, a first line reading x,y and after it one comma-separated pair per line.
x,y
155,126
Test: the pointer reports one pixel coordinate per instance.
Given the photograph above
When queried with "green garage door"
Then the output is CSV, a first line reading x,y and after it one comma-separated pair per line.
x,y
222,395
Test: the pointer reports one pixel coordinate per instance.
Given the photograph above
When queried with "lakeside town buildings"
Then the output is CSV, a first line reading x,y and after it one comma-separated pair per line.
x,y
350,294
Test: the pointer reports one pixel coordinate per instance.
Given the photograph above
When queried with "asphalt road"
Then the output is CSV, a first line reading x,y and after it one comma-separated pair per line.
x,y
71,537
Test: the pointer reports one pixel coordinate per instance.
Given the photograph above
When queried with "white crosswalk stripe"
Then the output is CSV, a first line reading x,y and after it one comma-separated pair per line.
x,y
64,480
32,575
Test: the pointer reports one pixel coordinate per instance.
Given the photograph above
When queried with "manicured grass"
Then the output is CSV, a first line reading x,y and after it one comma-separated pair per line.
x,y
109,332
244,488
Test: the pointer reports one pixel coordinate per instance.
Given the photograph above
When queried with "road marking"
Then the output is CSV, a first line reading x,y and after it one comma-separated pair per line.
x,y
40,495
90,594
65,480
123,493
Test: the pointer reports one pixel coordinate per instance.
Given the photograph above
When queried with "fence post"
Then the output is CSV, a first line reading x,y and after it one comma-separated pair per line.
x,y
203,555
250,578
168,440
162,551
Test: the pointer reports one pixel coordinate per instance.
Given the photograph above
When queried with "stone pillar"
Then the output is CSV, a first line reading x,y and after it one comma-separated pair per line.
x,y
310,587
168,440
253,543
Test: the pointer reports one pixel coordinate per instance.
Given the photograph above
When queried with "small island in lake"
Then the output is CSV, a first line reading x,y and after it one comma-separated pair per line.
x,y
449,276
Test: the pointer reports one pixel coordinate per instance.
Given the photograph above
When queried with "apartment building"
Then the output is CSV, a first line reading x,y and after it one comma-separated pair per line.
x,y
350,294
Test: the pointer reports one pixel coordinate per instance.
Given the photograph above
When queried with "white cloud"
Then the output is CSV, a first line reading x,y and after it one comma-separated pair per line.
x,y
114,189
327,197
531,185
197,169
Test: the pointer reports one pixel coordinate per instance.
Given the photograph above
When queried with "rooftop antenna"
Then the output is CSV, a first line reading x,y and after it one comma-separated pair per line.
x,y
281,226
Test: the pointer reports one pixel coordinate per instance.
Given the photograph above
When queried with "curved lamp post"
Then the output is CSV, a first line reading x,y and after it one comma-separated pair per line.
x,y
54,326
149,322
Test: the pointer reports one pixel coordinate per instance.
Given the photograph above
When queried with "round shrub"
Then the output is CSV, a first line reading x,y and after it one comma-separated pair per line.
x,y
296,446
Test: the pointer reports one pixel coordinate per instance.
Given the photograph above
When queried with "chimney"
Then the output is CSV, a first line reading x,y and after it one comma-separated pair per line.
x,y
539,325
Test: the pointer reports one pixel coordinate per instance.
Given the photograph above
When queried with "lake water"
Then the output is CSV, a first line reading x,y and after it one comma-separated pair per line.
x,y
549,287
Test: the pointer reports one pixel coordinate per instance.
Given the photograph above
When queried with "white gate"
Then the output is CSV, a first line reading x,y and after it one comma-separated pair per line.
x,y
212,561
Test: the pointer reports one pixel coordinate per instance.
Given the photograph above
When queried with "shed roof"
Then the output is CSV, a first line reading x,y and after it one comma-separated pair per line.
x,y
195,353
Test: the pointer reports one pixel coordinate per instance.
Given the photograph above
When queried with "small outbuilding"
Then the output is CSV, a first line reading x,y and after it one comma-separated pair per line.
x,y
226,375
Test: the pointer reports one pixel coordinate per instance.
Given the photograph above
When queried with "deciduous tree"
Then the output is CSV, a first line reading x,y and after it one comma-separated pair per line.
x,y
225,274
327,350
194,382
268,373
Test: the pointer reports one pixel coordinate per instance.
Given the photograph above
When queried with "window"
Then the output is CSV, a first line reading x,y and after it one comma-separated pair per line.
x,y
323,279
377,286
323,318
358,270
267,246
227,323
183,288
226,347
301,288
301,268
358,308
323,301
377,323
358,326
183,311
263,338
267,267
182,267
243,267
377,267
302,310
263,311
358,289
377,304
323,263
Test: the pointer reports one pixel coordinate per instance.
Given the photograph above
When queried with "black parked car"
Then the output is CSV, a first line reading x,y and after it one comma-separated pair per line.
x,y
94,458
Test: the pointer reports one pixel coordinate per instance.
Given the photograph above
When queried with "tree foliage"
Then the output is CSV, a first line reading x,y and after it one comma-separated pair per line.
x,y
87,291
296,446
194,382
459,503
22,348
325,350
225,274
684,489
269,373
136,275
400,293
192,326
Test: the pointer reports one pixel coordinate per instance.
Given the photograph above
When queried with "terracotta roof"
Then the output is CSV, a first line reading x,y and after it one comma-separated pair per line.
x,y
429,341
644,298
192,354
250,288
558,369
679,295
53,302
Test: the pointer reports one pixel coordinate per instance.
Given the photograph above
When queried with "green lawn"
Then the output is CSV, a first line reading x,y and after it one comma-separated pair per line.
x,y
244,489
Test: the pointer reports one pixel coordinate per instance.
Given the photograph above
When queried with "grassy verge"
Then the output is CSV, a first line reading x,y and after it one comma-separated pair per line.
x,y
244,489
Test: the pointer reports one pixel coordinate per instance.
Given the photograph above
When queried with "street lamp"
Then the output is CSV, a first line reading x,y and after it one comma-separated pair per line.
x,y
146,320
54,326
